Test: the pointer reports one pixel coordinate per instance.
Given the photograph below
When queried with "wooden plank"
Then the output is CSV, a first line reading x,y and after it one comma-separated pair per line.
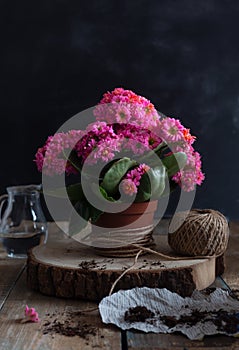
x,y
140,341
231,274
152,341
29,336
16,336
10,270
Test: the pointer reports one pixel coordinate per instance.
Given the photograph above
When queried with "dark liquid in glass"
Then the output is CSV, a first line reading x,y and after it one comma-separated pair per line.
x,y
18,244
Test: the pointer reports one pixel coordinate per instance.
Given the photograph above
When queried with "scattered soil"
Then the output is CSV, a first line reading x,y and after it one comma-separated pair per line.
x,y
150,264
195,317
92,264
224,321
157,263
227,322
68,324
138,314
88,265
235,293
208,291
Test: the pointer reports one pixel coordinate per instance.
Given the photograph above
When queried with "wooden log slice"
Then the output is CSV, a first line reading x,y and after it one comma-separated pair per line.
x,y
65,268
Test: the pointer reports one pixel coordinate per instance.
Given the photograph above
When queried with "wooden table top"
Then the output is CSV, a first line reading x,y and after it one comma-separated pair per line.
x,y
14,295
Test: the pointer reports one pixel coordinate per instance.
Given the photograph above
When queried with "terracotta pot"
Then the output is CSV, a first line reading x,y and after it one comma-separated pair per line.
x,y
133,225
142,212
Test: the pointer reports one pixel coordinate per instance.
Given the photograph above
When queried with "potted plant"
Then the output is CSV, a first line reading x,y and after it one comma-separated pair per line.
x,y
130,154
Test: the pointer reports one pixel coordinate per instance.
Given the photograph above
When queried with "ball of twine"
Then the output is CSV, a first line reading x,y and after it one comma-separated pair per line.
x,y
204,232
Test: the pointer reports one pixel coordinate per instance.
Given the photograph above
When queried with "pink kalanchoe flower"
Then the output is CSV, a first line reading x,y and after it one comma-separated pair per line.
x,y
171,129
132,180
143,168
200,177
188,137
50,157
136,109
188,180
30,315
122,114
129,187
105,150
135,176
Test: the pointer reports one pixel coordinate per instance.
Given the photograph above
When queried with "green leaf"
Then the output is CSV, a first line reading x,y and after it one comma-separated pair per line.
x,y
101,192
57,192
105,195
150,156
74,192
95,214
174,162
152,184
157,180
76,225
144,190
114,175
83,208
87,212
160,148
73,160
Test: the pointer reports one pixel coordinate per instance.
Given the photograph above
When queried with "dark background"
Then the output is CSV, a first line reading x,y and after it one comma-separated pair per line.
x,y
59,57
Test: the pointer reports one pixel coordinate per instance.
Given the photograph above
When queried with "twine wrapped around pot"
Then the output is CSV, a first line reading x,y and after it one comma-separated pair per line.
x,y
114,234
142,237
204,232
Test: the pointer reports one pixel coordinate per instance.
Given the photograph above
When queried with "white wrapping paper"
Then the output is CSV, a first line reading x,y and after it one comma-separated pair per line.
x,y
162,302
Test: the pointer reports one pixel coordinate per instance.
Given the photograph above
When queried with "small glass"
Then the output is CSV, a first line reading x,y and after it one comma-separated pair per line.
x,y
22,224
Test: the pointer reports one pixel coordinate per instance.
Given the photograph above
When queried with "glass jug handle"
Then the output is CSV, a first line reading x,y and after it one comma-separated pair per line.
x,y
3,199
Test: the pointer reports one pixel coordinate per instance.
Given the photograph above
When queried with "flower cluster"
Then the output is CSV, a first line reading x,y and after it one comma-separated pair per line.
x,y
132,180
100,141
51,155
124,106
179,139
126,125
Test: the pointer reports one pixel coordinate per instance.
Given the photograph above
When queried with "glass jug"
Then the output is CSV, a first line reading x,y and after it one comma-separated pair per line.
x,y
22,224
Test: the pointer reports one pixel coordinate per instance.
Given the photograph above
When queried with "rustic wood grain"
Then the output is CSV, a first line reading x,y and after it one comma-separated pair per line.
x,y
178,342
58,269
15,295
138,340
231,274
29,336
141,341
10,270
